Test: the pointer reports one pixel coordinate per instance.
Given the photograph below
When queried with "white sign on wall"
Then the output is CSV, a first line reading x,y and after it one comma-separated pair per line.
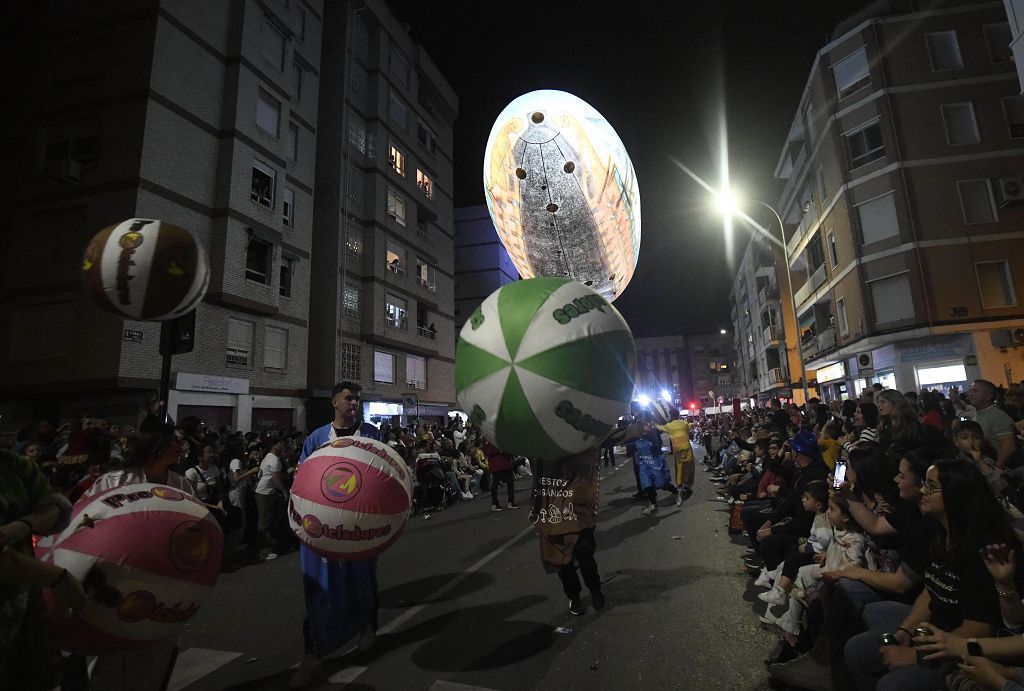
x,y
211,384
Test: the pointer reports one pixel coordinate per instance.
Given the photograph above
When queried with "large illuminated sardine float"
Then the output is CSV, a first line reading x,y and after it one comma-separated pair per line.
x,y
562,192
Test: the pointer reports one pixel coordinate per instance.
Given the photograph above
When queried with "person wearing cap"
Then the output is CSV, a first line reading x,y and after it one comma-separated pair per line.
x,y
789,521
341,596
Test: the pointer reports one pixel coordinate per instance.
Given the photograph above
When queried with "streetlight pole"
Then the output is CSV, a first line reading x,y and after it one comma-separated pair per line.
x,y
792,295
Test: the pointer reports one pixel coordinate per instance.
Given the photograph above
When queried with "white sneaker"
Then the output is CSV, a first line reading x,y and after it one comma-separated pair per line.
x,y
308,669
768,617
775,596
652,509
467,495
787,624
764,580
269,556
679,500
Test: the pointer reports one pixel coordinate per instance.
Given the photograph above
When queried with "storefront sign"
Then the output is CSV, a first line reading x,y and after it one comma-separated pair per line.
x,y
133,335
211,383
831,373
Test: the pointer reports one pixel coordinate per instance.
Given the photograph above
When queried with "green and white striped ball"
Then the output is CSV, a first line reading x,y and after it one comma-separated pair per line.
x,y
545,367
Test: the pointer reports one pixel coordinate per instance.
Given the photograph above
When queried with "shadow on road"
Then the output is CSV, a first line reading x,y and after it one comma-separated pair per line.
x,y
416,592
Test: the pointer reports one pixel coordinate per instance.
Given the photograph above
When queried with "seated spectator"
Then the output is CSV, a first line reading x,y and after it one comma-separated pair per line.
x,y
997,427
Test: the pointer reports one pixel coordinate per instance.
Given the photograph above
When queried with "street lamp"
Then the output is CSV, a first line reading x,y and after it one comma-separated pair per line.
x,y
728,204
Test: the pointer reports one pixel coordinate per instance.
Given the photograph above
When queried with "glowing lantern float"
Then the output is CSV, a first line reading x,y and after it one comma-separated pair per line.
x,y
545,367
147,556
351,498
562,192
145,269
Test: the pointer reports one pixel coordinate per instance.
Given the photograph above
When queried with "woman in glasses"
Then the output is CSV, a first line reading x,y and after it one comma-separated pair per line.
x,y
959,595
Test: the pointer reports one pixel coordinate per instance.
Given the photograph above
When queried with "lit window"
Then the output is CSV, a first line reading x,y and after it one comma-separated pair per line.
x,y
416,371
395,259
833,251
396,159
351,301
354,241
424,184
351,357
396,311
425,275
383,367
844,326
239,346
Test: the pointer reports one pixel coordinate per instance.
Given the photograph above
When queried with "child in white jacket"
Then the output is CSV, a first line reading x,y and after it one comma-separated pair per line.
x,y
848,546
815,499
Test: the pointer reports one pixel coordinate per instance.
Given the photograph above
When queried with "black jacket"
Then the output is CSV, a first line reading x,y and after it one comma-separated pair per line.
x,y
789,517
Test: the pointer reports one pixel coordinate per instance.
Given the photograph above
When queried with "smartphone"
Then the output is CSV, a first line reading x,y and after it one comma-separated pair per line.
x,y
839,477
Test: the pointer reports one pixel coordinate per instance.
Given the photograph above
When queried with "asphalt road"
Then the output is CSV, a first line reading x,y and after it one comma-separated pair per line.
x,y
465,604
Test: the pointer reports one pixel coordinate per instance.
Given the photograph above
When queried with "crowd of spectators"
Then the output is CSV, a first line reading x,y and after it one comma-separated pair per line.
x,y
883,535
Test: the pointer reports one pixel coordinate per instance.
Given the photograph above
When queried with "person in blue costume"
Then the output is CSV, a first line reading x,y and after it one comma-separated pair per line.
x,y
650,461
341,596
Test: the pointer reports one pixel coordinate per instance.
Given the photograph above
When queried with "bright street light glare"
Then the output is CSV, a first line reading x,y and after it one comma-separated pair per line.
x,y
722,332
665,395
644,400
728,202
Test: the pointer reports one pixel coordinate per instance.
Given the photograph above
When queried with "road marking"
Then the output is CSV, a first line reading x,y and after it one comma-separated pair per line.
x,y
195,663
441,685
408,614
347,675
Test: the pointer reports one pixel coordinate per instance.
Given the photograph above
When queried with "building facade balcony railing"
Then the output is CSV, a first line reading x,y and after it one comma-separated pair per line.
x,y
767,293
416,384
770,336
426,332
827,340
775,376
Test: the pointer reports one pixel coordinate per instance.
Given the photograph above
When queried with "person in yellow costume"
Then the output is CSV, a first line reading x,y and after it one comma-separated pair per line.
x,y
679,435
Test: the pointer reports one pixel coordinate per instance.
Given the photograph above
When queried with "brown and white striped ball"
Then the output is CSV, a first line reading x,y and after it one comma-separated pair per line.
x,y
145,269
662,412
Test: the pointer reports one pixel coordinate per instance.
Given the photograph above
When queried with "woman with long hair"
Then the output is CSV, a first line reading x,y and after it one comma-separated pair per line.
x,y
960,595
898,426
865,421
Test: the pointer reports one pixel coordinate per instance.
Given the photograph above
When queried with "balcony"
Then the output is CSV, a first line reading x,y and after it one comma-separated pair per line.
x,y
809,286
426,332
424,283
416,383
767,293
770,336
775,376
827,340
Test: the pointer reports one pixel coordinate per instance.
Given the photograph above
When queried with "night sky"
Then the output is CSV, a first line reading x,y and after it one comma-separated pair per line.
x,y
663,74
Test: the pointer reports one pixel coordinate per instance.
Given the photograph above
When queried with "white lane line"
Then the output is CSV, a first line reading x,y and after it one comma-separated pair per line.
x,y
347,675
441,685
408,614
195,663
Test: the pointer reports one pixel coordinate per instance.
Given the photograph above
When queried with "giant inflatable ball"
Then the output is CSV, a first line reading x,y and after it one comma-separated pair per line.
x,y
145,269
562,192
545,368
350,498
663,412
146,554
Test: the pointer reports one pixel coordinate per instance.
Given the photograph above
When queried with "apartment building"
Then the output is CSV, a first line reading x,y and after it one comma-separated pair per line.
x,y
384,265
763,330
482,264
714,370
691,370
200,114
903,200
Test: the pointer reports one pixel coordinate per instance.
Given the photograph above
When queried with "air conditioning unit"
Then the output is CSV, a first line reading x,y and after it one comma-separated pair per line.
x,y
1010,191
865,362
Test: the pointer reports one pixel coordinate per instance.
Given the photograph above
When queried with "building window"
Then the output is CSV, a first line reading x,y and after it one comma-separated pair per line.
x,y
272,43
851,73
426,137
398,112
275,348
293,142
995,284
998,37
396,159
396,206
357,132
399,66
421,230
268,113
424,184
298,77
300,25
396,311
1013,107
359,84
833,251
892,298
360,36
822,189
383,367
351,361
288,207
961,127
286,273
351,302
878,219
239,348
864,145
264,179
257,261
415,372
396,259
976,201
354,241
844,324
944,51
425,275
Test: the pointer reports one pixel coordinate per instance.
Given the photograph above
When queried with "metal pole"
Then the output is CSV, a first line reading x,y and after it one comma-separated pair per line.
x,y
165,385
792,299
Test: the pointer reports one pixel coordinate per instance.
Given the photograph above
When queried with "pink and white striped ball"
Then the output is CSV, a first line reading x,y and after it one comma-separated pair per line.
x,y
350,498
147,556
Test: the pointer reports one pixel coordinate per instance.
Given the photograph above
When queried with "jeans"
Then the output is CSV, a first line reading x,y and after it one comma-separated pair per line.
x,y
864,659
752,517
